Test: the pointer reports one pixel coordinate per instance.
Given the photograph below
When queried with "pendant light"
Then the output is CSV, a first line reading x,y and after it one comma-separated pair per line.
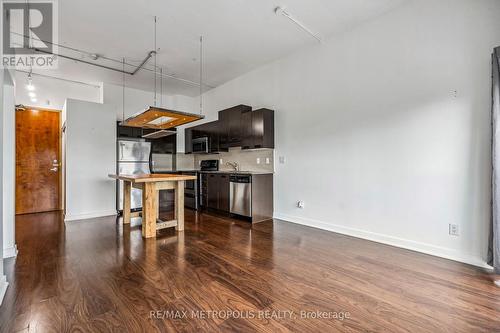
x,y
157,117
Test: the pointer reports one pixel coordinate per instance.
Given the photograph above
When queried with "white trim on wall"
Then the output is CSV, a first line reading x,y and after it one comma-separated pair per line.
x,y
3,287
430,249
10,252
91,215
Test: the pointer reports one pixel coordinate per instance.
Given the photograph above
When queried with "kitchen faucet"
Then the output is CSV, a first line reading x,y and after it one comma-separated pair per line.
x,y
235,165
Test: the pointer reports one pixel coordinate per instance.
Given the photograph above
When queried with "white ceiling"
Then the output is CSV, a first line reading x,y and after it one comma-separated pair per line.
x,y
239,35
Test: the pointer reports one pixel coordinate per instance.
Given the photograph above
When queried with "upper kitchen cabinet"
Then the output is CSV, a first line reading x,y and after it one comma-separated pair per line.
x,y
231,126
238,126
128,132
258,129
188,140
206,137
212,132
163,145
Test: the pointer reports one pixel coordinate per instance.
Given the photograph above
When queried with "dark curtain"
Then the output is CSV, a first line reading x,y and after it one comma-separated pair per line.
x,y
494,241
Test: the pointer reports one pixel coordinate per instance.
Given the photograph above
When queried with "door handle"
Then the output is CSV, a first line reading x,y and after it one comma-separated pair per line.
x,y
53,169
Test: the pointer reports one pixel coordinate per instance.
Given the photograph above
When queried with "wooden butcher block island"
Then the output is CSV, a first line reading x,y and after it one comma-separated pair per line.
x,y
151,184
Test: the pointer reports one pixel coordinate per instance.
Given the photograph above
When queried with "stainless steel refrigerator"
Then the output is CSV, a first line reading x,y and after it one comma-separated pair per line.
x,y
132,158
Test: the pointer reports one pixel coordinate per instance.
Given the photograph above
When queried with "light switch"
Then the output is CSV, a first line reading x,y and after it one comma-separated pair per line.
x,y
282,159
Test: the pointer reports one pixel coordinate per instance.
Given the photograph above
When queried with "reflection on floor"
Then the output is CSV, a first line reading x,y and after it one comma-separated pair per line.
x,y
96,275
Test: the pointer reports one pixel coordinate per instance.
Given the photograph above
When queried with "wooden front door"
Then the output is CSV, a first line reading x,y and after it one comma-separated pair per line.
x,y
38,162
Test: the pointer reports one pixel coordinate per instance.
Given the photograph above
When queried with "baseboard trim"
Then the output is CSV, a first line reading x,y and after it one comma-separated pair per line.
x,y
433,250
77,217
3,287
10,252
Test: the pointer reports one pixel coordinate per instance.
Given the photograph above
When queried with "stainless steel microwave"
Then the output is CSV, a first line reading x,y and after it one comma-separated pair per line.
x,y
200,145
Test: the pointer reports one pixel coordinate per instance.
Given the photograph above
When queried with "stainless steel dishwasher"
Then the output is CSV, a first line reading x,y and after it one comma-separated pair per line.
x,y
240,195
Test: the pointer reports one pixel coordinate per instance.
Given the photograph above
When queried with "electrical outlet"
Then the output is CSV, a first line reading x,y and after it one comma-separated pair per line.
x,y
453,229
268,160
258,160
282,159
300,204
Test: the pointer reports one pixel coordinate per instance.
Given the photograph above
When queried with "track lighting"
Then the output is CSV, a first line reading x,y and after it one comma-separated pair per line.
x,y
282,11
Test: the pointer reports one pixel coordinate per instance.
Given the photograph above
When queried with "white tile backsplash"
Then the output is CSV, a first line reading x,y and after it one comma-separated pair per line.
x,y
247,159
185,162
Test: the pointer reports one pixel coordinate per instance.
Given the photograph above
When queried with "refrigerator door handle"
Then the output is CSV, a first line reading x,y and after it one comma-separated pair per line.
x,y
151,161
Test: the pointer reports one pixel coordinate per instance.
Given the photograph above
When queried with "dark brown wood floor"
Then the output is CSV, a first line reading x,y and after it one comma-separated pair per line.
x,y
98,276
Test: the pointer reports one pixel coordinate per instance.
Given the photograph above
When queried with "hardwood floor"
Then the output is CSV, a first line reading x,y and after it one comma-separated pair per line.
x,y
99,276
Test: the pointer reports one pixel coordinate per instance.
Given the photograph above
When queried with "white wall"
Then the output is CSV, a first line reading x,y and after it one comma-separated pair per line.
x,y
3,280
51,93
90,142
9,164
376,141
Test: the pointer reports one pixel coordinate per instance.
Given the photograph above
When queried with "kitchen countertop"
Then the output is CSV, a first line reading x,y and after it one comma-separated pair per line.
x,y
150,178
226,172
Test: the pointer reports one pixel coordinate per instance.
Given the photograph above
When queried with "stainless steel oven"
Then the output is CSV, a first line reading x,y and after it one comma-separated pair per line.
x,y
191,191
200,145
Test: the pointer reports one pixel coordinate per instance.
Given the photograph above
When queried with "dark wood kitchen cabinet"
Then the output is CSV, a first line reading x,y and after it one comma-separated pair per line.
x,y
238,126
224,193
231,126
212,132
209,130
258,129
164,145
217,191
212,191
188,140
128,132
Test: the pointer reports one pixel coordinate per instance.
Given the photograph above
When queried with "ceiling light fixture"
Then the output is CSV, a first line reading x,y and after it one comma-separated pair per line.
x,y
34,100
30,85
282,11
157,117
31,94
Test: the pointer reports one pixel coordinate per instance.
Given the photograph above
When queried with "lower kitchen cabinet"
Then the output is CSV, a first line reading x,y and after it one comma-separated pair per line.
x,y
216,194
217,191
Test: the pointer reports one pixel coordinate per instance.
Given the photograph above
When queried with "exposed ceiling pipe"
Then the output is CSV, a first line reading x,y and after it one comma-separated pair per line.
x,y
173,77
282,11
150,54
99,65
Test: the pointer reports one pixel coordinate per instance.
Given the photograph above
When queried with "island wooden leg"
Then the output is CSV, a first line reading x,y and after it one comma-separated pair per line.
x,y
158,207
127,188
179,205
149,210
